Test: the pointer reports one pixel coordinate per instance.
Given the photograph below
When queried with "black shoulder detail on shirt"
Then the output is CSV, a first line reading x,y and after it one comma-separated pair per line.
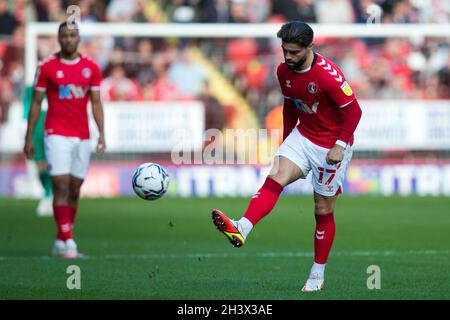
x,y
314,59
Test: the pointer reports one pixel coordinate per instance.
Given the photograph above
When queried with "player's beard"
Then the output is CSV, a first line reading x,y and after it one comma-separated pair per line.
x,y
69,50
299,64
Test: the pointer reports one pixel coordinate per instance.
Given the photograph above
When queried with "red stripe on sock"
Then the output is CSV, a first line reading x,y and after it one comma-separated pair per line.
x,y
263,201
323,237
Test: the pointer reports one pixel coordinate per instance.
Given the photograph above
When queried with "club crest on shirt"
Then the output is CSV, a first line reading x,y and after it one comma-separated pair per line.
x,y
345,87
86,72
312,88
59,74
288,83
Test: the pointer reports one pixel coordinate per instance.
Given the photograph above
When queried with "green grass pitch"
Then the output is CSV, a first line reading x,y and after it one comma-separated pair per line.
x,y
169,249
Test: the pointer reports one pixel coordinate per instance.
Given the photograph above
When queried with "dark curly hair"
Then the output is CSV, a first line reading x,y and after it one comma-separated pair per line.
x,y
296,32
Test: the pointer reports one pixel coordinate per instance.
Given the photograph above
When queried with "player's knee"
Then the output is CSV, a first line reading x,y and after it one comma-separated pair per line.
x,y
60,189
74,194
282,177
322,207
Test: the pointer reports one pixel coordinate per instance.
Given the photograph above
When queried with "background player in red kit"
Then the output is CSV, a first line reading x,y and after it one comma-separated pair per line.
x,y
68,79
316,93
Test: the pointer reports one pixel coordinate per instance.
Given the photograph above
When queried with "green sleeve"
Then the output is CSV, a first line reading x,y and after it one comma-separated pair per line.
x,y
27,99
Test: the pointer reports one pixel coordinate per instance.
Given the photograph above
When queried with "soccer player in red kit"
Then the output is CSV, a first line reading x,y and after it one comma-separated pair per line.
x,y
316,93
69,80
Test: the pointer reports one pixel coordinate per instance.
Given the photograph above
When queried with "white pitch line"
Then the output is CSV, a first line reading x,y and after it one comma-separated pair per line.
x,y
239,255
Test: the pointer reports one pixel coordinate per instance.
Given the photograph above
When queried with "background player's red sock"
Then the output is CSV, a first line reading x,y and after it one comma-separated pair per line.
x,y
263,201
323,237
73,214
63,221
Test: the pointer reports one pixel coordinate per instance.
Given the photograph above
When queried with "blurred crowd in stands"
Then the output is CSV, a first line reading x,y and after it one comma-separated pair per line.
x,y
164,69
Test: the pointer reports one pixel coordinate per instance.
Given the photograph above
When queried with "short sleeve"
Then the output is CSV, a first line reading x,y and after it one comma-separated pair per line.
x,y
40,79
338,90
96,78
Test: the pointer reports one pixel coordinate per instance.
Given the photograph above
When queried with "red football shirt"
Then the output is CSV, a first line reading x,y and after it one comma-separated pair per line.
x,y
317,94
67,84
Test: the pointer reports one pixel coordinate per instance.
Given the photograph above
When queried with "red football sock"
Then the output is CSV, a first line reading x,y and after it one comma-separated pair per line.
x,y
63,221
263,201
73,214
323,237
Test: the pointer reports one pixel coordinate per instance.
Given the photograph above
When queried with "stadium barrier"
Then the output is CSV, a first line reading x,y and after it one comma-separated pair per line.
x,y
160,126
381,177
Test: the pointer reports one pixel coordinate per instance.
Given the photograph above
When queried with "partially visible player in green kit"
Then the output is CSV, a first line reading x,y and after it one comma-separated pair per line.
x,y
44,207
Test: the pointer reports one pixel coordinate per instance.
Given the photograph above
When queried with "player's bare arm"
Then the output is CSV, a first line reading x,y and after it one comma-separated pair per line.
x,y
35,111
97,111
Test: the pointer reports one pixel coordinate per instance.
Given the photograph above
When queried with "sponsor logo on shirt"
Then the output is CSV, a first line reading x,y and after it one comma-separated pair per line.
x,y
346,89
302,106
71,91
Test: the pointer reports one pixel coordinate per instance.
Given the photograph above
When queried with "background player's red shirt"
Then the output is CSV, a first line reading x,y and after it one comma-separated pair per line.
x,y
317,94
67,84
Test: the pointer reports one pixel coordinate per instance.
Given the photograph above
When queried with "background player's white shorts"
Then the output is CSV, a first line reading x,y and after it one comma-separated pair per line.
x,y
67,155
326,179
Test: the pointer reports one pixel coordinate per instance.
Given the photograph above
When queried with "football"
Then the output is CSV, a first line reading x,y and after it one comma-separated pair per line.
x,y
150,181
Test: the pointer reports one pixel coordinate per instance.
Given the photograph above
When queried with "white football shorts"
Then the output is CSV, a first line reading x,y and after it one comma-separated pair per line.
x,y
327,180
67,155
